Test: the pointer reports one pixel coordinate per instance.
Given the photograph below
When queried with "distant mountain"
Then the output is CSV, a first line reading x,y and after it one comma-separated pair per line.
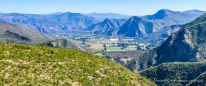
x,y
17,33
186,45
103,16
177,74
174,17
55,13
140,26
194,12
51,24
67,44
137,27
107,27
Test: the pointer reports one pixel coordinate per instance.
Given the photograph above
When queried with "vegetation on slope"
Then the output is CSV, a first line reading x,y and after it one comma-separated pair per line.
x,y
176,74
42,65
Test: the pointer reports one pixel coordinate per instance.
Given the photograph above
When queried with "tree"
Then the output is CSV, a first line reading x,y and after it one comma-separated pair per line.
x,y
105,47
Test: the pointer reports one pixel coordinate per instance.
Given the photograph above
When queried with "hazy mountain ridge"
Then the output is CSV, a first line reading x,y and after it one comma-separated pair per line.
x,y
61,23
103,16
50,24
174,17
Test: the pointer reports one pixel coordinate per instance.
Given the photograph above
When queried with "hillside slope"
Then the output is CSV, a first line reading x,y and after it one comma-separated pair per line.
x,y
177,74
200,77
17,33
186,45
41,65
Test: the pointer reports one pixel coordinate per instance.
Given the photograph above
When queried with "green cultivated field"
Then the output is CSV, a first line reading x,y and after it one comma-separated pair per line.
x,y
99,54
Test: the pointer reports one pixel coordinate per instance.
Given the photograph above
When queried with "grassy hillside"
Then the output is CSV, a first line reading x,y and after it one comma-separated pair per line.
x,y
176,74
42,65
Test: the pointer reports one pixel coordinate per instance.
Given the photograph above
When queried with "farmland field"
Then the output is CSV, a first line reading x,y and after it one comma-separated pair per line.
x,y
98,54
109,49
103,41
131,47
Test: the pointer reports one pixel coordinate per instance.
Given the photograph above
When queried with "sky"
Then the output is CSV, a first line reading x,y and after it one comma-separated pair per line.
x,y
129,7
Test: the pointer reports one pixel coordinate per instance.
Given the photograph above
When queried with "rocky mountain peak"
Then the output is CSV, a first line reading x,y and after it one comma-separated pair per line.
x,y
135,19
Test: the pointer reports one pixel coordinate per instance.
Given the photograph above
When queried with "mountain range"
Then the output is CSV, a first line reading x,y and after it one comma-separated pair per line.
x,y
143,25
140,26
50,24
114,24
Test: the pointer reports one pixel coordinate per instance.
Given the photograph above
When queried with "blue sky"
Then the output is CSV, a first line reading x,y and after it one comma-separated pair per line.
x,y
129,7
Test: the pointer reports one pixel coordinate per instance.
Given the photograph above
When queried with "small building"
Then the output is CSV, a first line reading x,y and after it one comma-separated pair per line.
x,y
113,39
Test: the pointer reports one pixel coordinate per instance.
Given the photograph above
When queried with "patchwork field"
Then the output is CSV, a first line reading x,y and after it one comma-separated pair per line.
x,y
131,47
95,46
